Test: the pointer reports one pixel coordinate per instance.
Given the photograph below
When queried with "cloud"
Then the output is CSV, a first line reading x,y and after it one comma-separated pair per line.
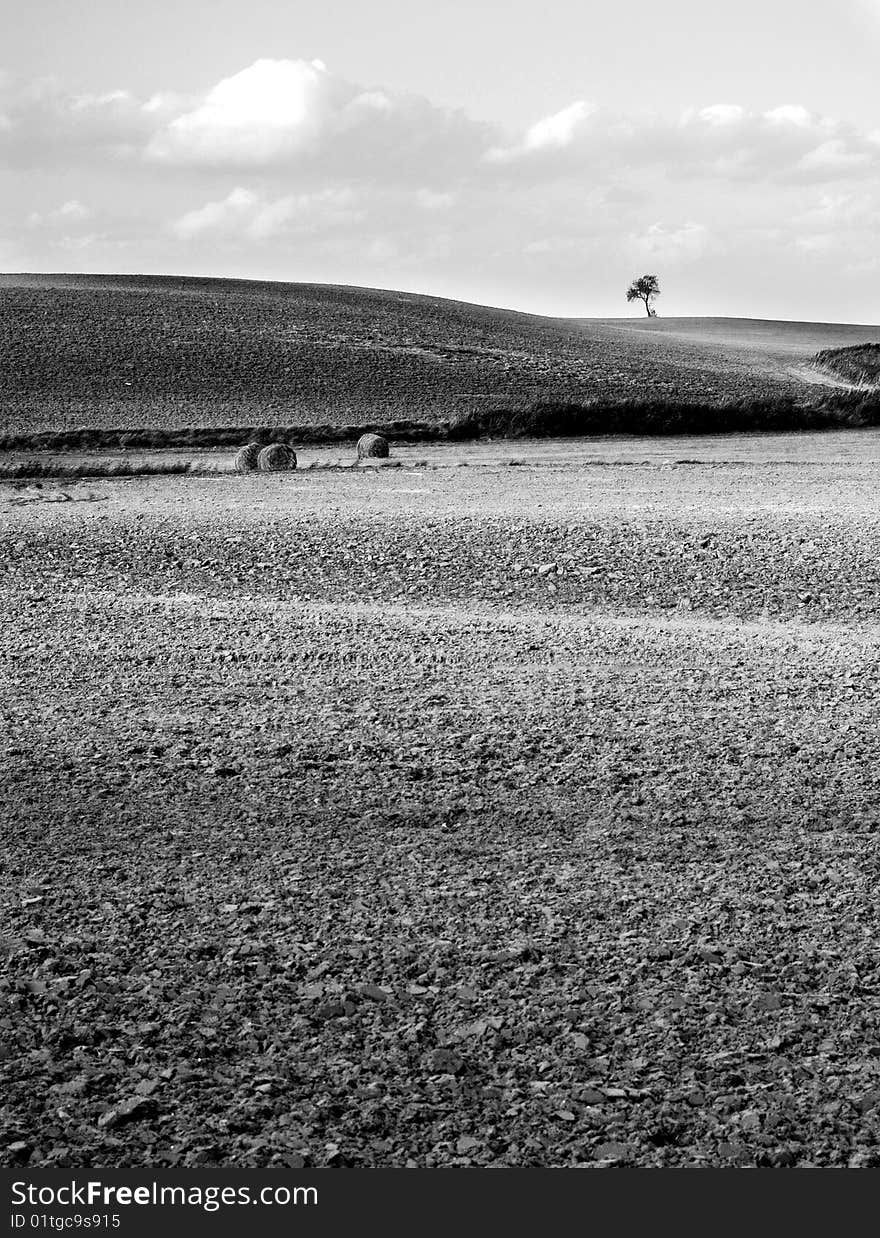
x,y
551,133
296,114
817,243
44,125
297,117
218,217
247,216
272,115
267,112
719,141
842,211
557,130
434,200
842,225
79,242
836,158
672,245
722,114
68,213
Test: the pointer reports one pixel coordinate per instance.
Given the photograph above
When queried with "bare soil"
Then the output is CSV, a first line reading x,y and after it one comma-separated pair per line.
x,y
128,352
478,815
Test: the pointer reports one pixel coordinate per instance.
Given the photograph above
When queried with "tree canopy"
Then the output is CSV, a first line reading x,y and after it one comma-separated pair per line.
x,y
645,288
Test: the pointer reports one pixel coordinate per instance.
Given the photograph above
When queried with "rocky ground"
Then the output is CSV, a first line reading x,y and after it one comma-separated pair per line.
x,y
492,817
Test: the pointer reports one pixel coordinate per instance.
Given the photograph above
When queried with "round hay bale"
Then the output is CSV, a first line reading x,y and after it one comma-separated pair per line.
x,y
276,458
372,445
246,458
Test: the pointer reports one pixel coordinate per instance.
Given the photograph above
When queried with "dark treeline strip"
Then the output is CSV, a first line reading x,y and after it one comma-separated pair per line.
x,y
641,417
86,438
553,419
101,468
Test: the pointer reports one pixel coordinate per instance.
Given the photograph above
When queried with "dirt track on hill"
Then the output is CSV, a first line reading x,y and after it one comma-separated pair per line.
x,y
816,378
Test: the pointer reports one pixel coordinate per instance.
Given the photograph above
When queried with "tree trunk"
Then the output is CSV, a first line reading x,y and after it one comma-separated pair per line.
x,y
647,308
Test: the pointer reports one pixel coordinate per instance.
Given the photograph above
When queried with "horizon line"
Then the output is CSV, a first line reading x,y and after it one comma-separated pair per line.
x,y
508,309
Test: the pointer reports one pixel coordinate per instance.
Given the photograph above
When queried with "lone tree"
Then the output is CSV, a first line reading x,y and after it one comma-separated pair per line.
x,y
645,288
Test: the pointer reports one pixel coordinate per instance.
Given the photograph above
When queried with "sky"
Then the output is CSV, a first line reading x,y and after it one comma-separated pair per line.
x,y
537,156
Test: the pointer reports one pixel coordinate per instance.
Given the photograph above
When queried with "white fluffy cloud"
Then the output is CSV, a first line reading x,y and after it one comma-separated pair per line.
x,y
554,132
722,114
836,158
296,114
245,215
272,115
270,111
279,116
218,217
660,243
721,141
69,213
46,126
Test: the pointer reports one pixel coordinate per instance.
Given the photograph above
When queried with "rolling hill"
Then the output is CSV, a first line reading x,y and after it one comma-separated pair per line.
x,y
152,351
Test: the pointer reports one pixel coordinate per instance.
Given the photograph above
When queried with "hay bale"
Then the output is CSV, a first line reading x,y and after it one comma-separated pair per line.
x,y
246,458
276,458
372,445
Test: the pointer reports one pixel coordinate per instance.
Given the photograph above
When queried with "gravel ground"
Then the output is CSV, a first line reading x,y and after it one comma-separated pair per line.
x,y
497,817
